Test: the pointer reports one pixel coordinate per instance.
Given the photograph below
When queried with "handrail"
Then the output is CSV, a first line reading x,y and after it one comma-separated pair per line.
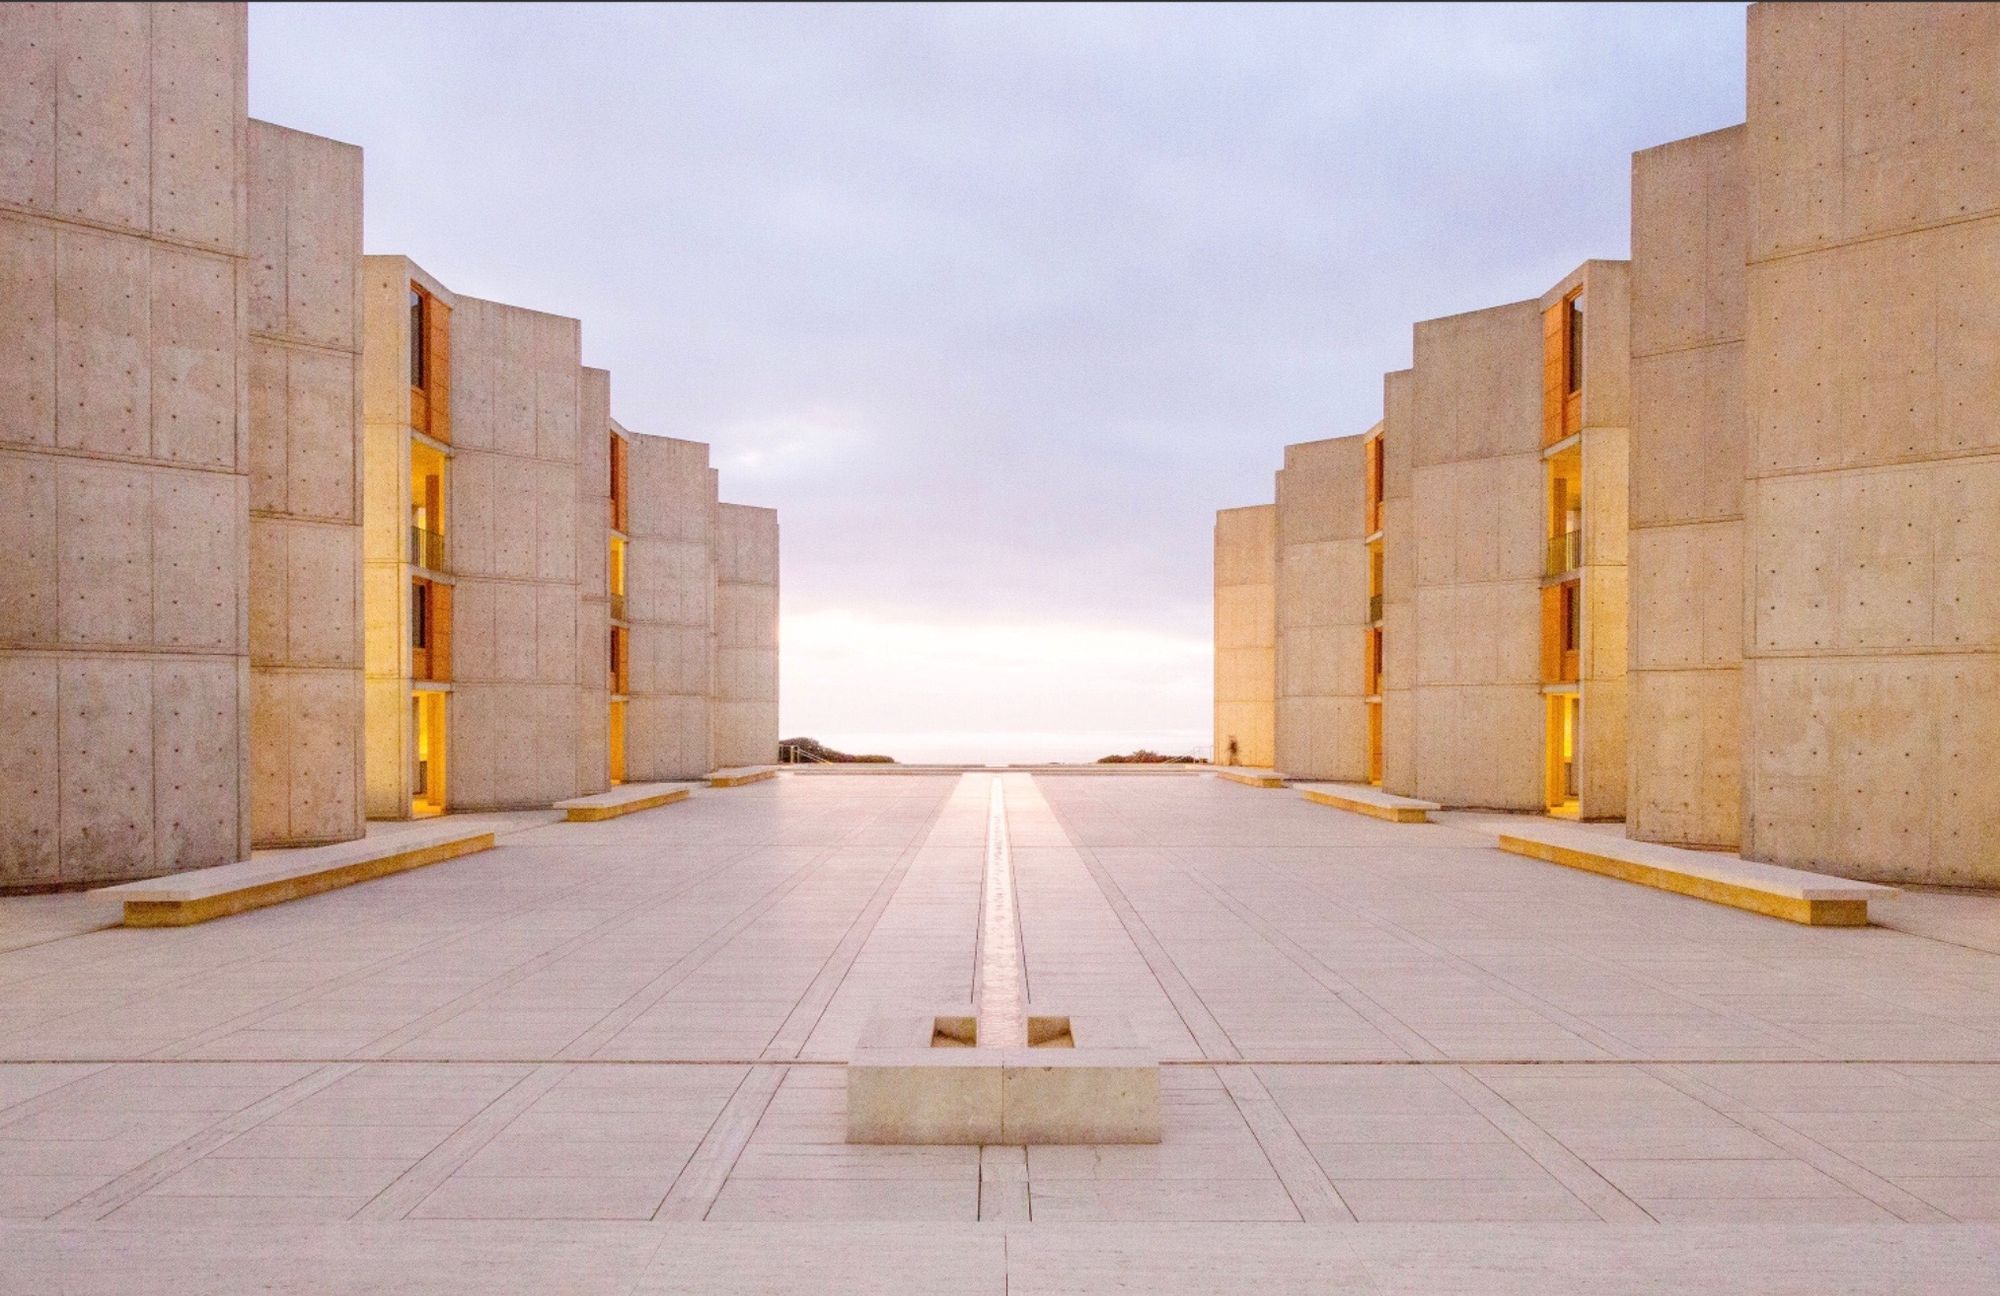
x,y
1565,553
426,549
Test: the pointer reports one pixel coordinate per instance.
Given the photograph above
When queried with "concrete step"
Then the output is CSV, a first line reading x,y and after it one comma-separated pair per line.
x,y
1372,801
1792,894
183,899
627,798
741,774
1257,778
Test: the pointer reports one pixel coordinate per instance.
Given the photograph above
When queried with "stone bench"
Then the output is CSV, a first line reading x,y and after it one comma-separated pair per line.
x,y
182,899
627,798
1372,801
1791,894
1257,778
737,777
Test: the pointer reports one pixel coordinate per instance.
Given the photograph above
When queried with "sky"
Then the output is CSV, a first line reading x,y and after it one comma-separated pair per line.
x,y
998,304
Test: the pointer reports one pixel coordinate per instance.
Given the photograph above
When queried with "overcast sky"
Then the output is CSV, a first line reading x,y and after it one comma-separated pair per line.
x,y
997,305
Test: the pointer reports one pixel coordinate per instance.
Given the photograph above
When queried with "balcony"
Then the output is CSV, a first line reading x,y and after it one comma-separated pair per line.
x,y
617,607
426,549
1374,608
1565,553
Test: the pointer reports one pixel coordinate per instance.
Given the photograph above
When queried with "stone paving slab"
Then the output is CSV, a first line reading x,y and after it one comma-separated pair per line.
x,y
608,1057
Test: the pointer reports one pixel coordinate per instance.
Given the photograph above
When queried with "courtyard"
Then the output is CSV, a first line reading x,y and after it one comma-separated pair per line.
x,y
608,1057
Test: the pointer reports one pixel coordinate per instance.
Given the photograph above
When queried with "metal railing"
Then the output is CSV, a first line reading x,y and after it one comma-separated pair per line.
x,y
426,549
617,607
1565,553
1374,608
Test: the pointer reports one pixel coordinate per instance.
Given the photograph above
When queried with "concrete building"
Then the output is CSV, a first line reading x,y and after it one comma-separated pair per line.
x,y
1397,626
1818,456
746,636
1324,652
304,356
1686,496
1476,535
1780,422
125,453
1246,636
296,537
668,670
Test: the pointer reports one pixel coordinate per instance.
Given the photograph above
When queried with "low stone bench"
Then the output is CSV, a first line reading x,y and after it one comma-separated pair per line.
x,y
626,798
737,777
1791,894
183,899
1257,778
1372,801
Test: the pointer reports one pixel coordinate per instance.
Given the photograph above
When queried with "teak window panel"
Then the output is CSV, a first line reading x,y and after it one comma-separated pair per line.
x,y
430,630
430,365
618,484
1562,632
1375,485
621,660
1562,369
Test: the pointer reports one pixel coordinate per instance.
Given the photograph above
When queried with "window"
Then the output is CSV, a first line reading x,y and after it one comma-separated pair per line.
x,y
1572,629
418,376
420,606
1575,346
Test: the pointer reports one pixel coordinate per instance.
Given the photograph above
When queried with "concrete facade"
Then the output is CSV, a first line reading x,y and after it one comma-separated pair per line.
x,y
1476,532
389,561
593,609
670,604
306,700
746,634
125,454
1246,636
1399,586
1872,459
227,473
514,560
1598,453
1320,663
1686,494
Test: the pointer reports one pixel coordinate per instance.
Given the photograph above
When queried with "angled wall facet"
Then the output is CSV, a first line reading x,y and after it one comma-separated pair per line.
x,y
513,551
1689,232
1477,534
1399,583
746,631
305,488
1872,502
1246,630
1322,611
124,451
593,609
670,604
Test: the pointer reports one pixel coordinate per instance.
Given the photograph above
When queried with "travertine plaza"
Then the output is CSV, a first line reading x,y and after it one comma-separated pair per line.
x,y
542,979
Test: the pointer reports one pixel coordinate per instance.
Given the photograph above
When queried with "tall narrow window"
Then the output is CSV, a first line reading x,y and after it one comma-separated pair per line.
x,y
418,375
1575,347
420,621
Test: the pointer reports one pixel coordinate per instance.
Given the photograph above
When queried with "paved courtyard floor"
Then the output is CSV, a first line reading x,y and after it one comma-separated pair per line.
x,y
606,1058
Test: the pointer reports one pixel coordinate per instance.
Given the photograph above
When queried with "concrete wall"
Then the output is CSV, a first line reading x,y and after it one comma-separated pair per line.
x,y
512,542
1689,232
124,451
1605,442
305,488
1246,634
1872,500
1322,611
593,571
1399,588
670,600
1477,529
385,574
746,634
